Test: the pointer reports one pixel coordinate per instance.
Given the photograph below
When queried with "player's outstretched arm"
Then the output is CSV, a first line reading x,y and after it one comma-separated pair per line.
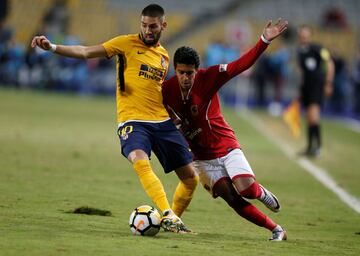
x,y
73,51
272,31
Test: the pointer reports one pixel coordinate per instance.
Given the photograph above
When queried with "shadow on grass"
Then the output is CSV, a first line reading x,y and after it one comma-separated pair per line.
x,y
91,211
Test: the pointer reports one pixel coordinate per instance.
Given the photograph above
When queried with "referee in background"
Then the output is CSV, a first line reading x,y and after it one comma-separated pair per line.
x,y
317,81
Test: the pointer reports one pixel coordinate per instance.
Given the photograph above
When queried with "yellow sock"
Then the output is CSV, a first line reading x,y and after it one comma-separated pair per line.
x,y
183,194
151,184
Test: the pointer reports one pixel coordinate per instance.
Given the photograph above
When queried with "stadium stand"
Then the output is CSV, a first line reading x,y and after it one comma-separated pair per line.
x,y
26,17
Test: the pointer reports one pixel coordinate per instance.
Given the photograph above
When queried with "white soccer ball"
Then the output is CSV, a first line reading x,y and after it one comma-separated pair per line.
x,y
145,221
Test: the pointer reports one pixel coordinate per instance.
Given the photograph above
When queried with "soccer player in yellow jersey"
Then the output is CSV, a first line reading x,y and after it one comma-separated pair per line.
x,y
143,122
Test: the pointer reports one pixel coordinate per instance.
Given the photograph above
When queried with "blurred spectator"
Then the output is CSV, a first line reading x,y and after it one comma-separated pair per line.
x,y
279,71
11,56
273,70
214,53
259,78
220,52
338,101
4,9
334,17
57,18
43,70
356,82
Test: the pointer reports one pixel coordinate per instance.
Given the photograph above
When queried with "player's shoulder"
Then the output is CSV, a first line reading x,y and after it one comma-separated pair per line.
x,y
122,40
161,49
202,72
130,37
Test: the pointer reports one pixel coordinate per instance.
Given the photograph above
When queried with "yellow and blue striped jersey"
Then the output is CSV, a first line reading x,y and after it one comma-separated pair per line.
x,y
141,69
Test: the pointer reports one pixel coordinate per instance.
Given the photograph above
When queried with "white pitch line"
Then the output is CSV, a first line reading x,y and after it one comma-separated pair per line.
x,y
317,172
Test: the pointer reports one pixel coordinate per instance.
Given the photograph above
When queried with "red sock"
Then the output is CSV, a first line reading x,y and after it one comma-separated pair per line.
x,y
252,214
252,192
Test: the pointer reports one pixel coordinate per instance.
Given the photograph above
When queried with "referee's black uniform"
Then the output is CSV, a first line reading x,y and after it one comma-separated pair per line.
x,y
313,71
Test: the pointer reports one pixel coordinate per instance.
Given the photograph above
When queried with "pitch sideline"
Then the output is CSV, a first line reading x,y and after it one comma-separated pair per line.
x,y
317,172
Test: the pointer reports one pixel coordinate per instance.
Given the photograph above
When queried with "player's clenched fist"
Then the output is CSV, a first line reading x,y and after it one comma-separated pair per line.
x,y
42,42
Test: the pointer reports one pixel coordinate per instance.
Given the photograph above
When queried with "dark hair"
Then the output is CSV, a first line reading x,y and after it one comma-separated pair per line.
x,y
153,10
186,55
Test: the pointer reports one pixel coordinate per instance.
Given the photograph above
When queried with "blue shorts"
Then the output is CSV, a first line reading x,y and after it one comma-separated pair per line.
x,y
167,143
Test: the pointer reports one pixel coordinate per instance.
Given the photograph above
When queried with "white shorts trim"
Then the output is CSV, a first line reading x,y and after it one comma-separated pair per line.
x,y
231,166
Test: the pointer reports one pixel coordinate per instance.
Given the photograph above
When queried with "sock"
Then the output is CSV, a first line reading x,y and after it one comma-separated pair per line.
x,y
317,135
252,214
183,194
314,136
151,184
310,136
254,191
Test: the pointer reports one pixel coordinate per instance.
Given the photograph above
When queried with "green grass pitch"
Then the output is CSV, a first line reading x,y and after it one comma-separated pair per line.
x,y
58,153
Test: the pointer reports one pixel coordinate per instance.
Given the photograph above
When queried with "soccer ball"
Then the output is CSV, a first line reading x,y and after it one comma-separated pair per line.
x,y
145,221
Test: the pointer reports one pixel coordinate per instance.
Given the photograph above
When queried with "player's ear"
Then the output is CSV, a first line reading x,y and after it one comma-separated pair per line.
x,y
163,25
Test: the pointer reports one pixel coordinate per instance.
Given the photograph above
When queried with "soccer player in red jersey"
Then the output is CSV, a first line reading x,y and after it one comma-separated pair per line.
x,y
191,99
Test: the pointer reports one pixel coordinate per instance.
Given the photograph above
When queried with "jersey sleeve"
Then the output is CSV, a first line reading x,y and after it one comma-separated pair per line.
x,y
117,45
218,75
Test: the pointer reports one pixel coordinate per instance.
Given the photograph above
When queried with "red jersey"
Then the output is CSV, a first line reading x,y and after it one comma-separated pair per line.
x,y
202,123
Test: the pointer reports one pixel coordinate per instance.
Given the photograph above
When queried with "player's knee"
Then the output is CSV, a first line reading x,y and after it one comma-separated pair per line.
x,y
186,172
137,155
191,182
243,183
251,192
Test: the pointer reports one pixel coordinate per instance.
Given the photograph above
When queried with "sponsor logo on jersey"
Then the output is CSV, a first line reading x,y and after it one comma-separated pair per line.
x,y
151,73
191,134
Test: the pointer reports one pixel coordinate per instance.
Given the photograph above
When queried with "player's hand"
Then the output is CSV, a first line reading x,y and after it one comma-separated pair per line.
x,y
42,42
272,31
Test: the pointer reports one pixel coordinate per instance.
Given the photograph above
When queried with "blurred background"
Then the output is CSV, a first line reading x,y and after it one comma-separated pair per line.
x,y
220,30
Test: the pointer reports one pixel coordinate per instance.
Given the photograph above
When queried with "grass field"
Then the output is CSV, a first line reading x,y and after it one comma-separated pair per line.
x,y
58,153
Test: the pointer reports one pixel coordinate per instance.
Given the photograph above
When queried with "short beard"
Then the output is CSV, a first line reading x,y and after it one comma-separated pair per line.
x,y
156,39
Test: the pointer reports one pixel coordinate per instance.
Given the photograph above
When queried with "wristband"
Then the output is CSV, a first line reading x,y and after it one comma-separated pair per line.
x,y
265,40
52,47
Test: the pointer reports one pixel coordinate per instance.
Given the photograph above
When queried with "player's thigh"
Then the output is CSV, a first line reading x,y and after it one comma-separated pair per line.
x,y
171,148
210,173
236,165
